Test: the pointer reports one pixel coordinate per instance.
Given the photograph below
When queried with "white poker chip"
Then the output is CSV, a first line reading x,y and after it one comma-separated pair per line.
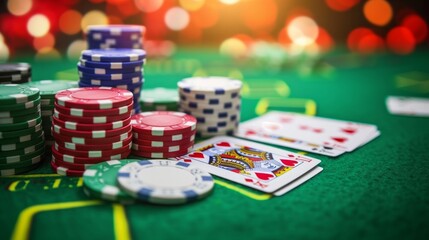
x,y
213,85
164,181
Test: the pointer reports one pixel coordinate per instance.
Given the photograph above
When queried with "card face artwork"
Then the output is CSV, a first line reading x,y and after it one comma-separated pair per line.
x,y
314,134
408,106
255,165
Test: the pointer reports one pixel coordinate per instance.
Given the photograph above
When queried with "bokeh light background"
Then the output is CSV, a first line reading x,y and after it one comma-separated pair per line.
x,y
56,28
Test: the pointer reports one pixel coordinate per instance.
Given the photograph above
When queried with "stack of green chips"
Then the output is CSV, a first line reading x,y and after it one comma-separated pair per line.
x,y
21,135
159,99
48,89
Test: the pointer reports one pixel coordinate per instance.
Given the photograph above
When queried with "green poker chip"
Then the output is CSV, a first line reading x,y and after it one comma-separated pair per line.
x,y
14,171
21,145
20,119
15,93
17,113
21,139
21,158
19,106
19,126
100,180
23,151
48,88
25,163
19,133
156,96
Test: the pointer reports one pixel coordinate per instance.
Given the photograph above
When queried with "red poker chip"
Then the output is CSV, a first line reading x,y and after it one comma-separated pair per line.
x,y
83,160
168,138
91,120
163,123
71,166
150,143
65,171
94,98
91,141
80,112
90,126
86,147
91,134
165,149
155,155
93,153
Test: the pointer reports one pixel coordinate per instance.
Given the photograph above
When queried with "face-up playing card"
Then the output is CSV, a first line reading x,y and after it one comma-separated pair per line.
x,y
254,165
322,132
408,106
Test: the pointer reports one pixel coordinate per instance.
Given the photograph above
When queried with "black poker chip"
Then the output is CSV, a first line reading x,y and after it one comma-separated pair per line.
x,y
10,69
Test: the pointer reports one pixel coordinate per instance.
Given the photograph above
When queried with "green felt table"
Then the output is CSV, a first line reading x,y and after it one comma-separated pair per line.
x,y
379,191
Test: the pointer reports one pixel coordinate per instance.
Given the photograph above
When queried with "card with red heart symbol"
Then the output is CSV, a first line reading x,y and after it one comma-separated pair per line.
x,y
314,134
252,164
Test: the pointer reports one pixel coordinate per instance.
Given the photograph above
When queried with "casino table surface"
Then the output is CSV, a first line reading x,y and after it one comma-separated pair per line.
x,y
379,191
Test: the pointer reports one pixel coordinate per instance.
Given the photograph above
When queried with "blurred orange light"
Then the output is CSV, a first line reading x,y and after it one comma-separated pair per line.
x,y
176,18
324,40
38,25
378,12
341,5
205,17
69,22
47,41
356,36
229,2
417,26
303,31
233,47
148,5
370,43
19,7
401,40
259,16
191,5
94,17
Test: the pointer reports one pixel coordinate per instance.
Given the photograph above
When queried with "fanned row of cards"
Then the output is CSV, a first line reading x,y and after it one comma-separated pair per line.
x,y
268,169
324,136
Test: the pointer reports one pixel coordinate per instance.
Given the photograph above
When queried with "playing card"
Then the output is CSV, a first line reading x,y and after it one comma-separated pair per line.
x,y
408,106
307,176
252,131
342,135
254,165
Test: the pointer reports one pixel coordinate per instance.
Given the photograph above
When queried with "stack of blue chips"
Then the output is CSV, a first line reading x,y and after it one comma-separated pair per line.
x,y
118,68
115,36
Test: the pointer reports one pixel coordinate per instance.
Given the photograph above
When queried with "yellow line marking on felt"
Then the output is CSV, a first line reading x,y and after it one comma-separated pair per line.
x,y
264,103
33,176
253,89
259,197
120,223
22,228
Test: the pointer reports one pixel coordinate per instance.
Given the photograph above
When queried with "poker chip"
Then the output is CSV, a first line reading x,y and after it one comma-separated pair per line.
x,y
95,70
87,147
21,125
111,76
19,133
159,155
15,171
91,120
164,149
214,101
115,36
111,65
100,180
21,139
48,88
129,83
159,99
72,166
20,106
166,138
63,171
163,143
86,160
114,55
22,164
92,153
19,119
37,153
91,126
18,113
91,141
22,151
164,181
15,94
79,112
94,98
15,73
91,133
162,123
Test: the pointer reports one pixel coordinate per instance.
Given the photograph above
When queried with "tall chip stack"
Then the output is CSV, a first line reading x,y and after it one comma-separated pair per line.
x,y
162,134
15,73
214,102
115,36
90,125
118,68
48,89
21,134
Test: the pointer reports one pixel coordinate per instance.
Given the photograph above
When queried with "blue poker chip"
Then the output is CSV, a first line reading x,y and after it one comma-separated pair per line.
x,y
128,84
116,29
111,65
91,70
114,55
165,181
112,76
